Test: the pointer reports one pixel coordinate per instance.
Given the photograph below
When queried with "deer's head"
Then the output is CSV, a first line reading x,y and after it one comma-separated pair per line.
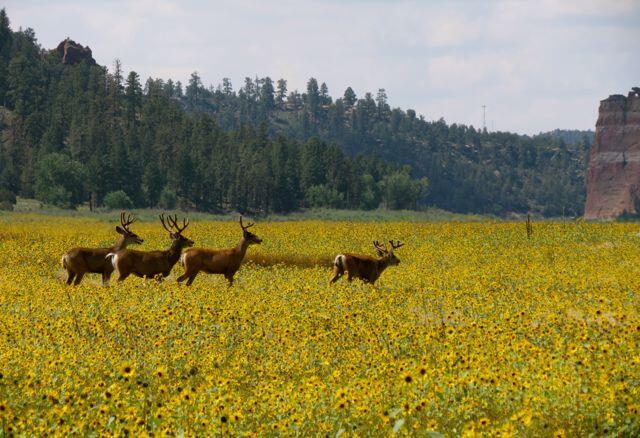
x,y
248,236
175,231
387,254
129,236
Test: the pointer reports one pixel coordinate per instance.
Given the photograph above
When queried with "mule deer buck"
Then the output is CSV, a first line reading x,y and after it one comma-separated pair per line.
x,y
217,261
79,261
149,264
364,267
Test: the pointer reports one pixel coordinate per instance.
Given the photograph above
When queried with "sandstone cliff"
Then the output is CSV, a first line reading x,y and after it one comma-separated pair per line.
x,y
71,52
613,177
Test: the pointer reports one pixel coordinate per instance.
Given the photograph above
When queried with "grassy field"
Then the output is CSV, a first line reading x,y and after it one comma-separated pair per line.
x,y
430,214
479,330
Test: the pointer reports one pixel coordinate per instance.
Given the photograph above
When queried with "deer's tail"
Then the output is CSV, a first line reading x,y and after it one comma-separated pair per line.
x,y
113,258
63,261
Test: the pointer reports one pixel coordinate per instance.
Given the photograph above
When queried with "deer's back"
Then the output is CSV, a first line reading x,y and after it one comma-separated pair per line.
x,y
87,259
214,261
362,266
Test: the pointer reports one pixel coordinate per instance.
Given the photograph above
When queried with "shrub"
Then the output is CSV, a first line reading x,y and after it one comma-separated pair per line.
x,y
59,181
117,200
323,196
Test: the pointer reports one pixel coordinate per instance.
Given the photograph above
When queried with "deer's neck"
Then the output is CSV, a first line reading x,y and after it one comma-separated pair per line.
x,y
382,264
241,248
120,244
173,253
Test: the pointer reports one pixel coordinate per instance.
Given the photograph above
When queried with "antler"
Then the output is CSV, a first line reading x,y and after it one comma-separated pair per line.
x,y
243,226
185,224
164,224
396,245
173,224
125,223
379,247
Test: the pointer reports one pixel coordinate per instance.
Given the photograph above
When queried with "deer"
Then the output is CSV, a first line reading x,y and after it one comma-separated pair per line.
x,y
217,261
79,261
153,264
364,267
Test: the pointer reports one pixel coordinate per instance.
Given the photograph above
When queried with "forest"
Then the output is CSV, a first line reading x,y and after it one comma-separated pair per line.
x,y
82,133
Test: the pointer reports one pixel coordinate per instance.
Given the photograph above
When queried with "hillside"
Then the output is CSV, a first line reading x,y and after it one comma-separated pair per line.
x,y
469,170
80,133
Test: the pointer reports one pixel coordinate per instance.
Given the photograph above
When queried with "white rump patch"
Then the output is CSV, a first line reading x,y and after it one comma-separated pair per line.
x,y
339,261
182,256
114,258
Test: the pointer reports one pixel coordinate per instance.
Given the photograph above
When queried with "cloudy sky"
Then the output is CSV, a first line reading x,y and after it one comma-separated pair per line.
x,y
536,65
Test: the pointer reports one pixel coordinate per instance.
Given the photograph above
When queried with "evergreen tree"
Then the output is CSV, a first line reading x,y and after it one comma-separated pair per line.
x,y
282,92
194,89
133,98
349,97
6,41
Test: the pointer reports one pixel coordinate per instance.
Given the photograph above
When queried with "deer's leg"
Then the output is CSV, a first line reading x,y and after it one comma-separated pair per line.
x,y
229,278
186,275
337,273
193,276
349,277
70,276
78,279
123,276
106,276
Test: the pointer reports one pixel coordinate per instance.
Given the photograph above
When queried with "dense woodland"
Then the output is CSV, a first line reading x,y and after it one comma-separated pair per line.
x,y
82,133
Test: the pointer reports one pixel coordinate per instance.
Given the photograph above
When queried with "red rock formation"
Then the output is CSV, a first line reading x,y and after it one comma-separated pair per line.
x,y
613,178
71,52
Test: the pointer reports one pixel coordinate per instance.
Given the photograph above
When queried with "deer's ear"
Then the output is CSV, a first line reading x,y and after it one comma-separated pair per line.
x,y
119,230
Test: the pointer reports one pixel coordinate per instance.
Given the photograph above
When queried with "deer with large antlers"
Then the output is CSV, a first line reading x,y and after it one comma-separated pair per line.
x,y
149,264
217,261
79,261
364,267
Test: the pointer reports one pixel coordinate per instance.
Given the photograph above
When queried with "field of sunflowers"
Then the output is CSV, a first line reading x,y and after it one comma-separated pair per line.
x,y
479,330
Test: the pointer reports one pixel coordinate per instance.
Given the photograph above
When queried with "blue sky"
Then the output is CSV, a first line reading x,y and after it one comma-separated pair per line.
x,y
536,65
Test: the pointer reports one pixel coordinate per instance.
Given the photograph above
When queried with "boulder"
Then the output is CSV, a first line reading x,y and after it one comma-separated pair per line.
x,y
613,175
71,52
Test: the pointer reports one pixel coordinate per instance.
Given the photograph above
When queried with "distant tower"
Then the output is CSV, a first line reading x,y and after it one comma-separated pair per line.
x,y
484,117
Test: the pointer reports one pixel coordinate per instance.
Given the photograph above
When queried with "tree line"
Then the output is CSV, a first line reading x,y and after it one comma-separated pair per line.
x,y
469,170
79,133
74,133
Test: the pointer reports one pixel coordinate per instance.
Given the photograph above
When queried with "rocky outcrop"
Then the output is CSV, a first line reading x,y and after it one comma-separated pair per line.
x,y
613,177
71,52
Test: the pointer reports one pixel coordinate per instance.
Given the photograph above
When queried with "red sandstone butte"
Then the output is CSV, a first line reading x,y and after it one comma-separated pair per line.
x,y
613,177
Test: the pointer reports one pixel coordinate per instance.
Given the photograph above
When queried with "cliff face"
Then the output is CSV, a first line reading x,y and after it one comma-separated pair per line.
x,y
71,52
613,177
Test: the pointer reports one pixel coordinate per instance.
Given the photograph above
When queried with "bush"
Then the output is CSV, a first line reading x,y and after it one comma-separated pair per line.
x,y
117,200
59,181
401,192
7,199
323,196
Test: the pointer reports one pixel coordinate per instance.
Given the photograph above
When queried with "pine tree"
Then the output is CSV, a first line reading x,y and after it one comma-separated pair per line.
x,y
281,94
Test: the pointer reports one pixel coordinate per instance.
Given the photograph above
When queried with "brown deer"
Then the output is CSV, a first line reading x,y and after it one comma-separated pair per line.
x,y
149,264
364,267
79,261
217,261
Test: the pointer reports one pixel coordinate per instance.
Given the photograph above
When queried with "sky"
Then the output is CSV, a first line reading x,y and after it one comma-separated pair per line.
x,y
536,65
